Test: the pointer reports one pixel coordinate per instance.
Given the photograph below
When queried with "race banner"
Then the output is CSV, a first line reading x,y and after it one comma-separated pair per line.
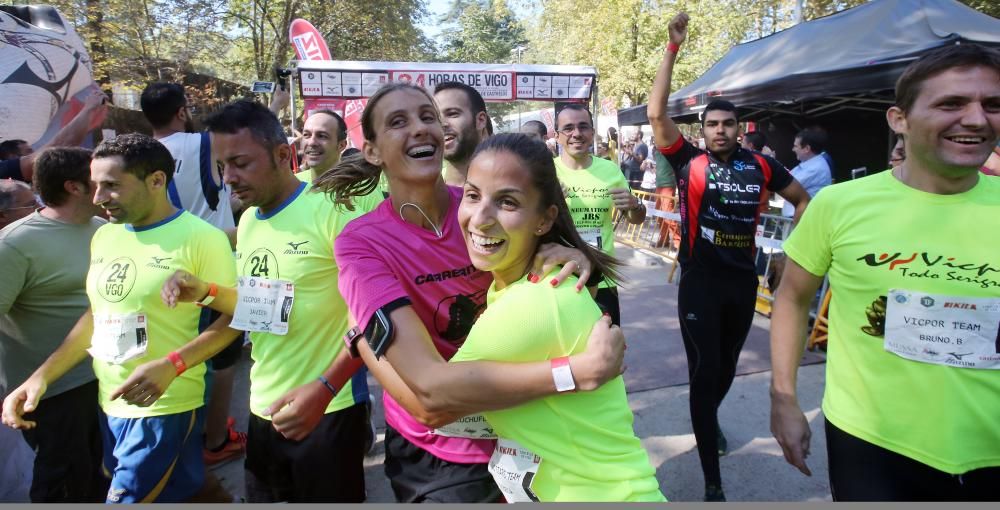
x,y
495,82
493,86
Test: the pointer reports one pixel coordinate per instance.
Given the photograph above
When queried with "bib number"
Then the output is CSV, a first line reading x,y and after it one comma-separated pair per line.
x,y
591,236
264,305
118,338
943,330
514,468
473,426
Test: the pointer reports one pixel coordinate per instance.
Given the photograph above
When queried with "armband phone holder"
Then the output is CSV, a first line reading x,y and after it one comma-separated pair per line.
x,y
379,332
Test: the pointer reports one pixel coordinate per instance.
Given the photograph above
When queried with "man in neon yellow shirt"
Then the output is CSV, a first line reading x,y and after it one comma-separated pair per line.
x,y
306,443
324,138
593,186
912,379
153,432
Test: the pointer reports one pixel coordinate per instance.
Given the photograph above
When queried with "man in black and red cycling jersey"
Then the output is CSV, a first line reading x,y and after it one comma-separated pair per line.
x,y
720,194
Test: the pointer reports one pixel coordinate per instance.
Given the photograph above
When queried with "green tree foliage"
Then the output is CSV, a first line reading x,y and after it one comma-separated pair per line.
x,y
367,30
141,40
239,40
991,7
624,39
483,32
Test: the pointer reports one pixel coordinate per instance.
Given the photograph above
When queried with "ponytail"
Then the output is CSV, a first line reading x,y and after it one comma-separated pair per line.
x,y
352,177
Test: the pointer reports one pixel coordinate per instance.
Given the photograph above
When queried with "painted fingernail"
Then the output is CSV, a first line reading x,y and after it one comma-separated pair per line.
x,y
554,282
605,314
532,277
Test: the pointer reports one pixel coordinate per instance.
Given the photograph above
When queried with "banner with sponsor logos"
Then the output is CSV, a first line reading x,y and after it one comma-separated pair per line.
x,y
495,82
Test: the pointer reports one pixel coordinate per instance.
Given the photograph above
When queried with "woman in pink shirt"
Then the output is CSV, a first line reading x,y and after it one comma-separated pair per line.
x,y
408,281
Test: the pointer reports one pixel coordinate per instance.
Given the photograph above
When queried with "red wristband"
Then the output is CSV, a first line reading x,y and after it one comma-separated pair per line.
x,y
177,362
673,47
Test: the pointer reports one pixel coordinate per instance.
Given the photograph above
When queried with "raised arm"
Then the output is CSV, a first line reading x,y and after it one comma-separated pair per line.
x,y
72,134
664,130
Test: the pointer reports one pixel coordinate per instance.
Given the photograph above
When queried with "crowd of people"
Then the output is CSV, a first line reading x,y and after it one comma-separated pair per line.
x,y
134,274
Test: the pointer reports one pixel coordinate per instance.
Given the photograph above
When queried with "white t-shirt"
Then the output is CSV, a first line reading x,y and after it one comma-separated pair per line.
x,y
196,187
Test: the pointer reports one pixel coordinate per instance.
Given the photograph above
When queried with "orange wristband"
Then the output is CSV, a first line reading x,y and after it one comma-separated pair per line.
x,y
213,290
178,363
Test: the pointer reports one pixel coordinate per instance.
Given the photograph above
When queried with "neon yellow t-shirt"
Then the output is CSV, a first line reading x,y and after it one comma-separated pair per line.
x,y
588,448
294,243
127,270
875,234
590,203
364,203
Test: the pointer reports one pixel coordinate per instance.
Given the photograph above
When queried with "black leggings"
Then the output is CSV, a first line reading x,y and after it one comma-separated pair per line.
x,y
861,471
716,311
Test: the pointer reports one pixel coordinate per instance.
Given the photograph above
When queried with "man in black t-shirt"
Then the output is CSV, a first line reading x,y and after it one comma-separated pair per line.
x,y
720,192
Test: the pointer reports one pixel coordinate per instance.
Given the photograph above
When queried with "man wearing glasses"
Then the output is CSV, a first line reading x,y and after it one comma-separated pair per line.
x,y
593,186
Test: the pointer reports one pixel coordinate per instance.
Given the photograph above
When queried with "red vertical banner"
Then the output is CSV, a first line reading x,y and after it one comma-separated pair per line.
x,y
352,117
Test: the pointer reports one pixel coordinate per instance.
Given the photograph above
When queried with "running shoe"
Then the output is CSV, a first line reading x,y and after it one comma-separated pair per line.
x,y
234,447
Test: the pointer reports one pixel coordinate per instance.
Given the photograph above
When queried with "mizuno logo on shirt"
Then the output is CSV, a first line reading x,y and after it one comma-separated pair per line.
x,y
158,263
295,248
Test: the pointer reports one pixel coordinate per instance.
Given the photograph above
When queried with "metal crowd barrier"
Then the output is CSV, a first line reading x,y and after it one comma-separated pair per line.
x,y
646,237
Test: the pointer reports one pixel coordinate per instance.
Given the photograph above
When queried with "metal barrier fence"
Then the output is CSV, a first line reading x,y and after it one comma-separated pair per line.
x,y
656,235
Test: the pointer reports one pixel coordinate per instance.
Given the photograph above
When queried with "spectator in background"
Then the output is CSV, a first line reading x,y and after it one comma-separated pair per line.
x,y
613,145
756,141
898,154
992,165
666,191
45,260
813,171
602,150
72,134
16,201
10,149
535,129
634,154
648,176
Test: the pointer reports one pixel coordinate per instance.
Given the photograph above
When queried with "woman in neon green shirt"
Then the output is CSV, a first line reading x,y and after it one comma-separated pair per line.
x,y
571,446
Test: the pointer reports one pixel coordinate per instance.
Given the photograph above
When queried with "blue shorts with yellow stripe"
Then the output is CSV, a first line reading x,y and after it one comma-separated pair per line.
x,y
155,459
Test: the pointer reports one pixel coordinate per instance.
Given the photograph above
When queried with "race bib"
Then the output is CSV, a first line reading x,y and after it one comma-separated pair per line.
x,y
473,426
943,330
263,305
514,468
591,236
118,338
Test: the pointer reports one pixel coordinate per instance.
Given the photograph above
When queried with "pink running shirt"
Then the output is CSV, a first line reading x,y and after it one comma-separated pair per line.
x,y
383,258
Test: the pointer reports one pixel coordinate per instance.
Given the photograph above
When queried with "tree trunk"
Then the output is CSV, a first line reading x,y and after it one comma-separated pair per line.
x,y
98,54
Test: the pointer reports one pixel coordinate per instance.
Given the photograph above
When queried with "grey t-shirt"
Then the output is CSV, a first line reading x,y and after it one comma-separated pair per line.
x,y
43,267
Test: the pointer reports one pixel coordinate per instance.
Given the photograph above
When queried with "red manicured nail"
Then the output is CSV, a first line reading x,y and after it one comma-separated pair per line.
x,y
554,282
532,277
